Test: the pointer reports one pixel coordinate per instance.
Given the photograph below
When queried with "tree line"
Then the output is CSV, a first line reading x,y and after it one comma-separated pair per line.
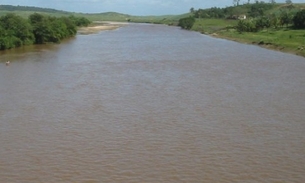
x,y
252,10
16,31
257,16
294,19
29,8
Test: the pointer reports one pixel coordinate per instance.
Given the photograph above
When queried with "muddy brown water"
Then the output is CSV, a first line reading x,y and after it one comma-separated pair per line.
x,y
151,103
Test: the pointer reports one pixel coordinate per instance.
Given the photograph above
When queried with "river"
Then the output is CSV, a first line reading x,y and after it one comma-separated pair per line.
x,y
151,103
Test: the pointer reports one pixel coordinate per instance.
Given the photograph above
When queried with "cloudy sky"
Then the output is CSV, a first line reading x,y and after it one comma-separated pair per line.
x,y
132,7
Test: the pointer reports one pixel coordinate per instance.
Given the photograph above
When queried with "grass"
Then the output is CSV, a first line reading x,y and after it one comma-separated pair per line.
x,y
28,13
209,26
112,16
283,39
107,16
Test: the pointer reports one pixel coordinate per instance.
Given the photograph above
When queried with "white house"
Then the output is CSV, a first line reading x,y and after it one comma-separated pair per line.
x,y
242,17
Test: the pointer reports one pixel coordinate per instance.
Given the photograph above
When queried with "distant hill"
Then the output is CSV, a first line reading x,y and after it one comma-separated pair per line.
x,y
250,10
25,11
29,8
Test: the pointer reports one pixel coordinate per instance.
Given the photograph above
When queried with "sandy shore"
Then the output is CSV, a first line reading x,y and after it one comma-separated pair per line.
x,y
100,26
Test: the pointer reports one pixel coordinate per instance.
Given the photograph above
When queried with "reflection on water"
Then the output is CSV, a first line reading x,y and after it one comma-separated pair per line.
x,y
151,103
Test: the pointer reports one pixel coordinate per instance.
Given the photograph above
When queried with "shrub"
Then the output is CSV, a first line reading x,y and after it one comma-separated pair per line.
x,y
246,26
186,23
299,20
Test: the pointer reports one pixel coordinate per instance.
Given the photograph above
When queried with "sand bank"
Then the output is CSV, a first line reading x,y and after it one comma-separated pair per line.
x,y
100,26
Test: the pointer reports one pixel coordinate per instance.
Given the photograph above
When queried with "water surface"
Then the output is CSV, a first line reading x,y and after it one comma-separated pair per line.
x,y
151,103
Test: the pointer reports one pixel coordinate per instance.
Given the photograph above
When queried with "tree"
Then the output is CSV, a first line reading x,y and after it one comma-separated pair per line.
x,y
80,21
71,27
246,26
53,29
299,20
259,9
41,28
192,10
285,18
15,31
186,23
236,2
262,22
274,20
288,2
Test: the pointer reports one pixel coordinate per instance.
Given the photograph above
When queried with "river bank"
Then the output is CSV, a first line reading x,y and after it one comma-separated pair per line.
x,y
284,39
287,41
98,26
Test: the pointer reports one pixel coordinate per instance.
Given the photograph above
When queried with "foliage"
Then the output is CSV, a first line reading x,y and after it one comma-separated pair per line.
x,y
299,20
259,8
274,21
186,23
254,25
16,31
51,29
246,26
29,8
263,22
208,26
253,10
236,2
286,18
210,13
286,39
79,21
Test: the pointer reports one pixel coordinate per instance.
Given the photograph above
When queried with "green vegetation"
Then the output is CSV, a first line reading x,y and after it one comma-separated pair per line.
x,y
25,11
232,12
16,31
271,25
24,25
283,39
186,23
299,20
212,25
29,8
